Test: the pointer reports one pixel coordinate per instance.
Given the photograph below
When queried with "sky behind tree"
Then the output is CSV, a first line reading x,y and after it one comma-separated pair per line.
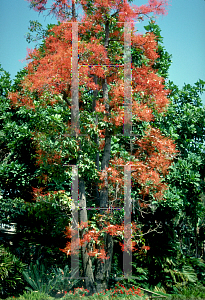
x,y
183,30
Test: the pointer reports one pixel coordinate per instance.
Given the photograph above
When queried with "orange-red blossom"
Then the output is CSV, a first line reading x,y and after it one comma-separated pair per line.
x,y
93,235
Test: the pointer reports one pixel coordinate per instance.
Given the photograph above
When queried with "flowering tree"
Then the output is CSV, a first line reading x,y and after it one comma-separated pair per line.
x,y
110,129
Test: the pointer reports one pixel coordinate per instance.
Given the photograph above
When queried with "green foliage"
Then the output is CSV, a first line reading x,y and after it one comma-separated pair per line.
x,y
16,151
49,281
11,268
5,83
11,209
39,229
33,296
19,173
35,26
40,232
198,265
189,292
183,210
176,275
36,278
168,261
184,121
164,61
186,293
19,169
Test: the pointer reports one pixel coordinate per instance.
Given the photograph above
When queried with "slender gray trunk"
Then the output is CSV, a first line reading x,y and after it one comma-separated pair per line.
x,y
74,16
86,260
97,281
96,140
103,268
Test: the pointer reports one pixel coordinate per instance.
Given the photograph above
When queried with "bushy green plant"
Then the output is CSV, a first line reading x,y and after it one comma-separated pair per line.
x,y
62,281
39,233
47,281
11,268
36,278
189,292
199,266
177,275
33,296
11,209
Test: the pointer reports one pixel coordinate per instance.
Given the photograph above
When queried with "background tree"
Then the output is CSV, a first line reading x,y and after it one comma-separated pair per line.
x,y
40,225
180,239
16,144
187,123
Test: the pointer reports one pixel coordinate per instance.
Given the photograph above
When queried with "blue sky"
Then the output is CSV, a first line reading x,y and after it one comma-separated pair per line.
x,y
183,30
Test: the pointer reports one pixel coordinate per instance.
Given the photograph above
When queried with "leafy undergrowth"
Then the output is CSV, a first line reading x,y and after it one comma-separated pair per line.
x,y
42,296
190,293
119,292
186,293
32,296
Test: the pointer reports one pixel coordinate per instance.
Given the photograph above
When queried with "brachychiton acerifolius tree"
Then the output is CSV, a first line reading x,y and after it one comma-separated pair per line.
x,y
104,132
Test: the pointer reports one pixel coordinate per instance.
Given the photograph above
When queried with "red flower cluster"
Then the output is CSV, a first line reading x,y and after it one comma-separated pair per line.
x,y
120,289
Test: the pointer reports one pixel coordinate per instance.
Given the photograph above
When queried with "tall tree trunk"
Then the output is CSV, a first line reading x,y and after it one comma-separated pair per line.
x,y
86,260
74,16
103,268
98,281
96,140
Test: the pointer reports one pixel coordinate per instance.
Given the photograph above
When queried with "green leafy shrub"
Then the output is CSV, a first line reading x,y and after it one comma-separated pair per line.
x,y
189,292
33,296
11,209
37,278
62,281
51,282
11,268
199,266
39,229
